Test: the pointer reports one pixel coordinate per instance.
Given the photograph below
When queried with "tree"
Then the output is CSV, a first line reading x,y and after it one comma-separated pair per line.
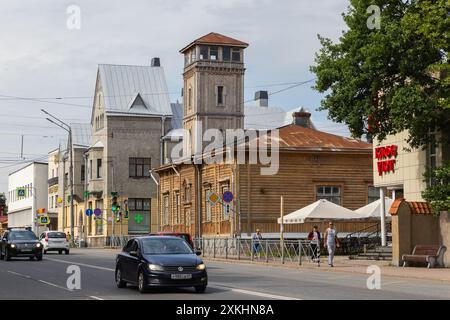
x,y
395,78
438,192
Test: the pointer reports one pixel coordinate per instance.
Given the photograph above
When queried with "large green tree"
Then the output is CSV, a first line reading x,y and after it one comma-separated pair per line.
x,y
385,80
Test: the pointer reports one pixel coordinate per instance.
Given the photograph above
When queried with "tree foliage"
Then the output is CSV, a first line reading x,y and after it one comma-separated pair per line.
x,y
395,78
438,193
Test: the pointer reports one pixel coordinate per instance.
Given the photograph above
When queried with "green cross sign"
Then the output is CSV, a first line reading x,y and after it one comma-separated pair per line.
x,y
138,218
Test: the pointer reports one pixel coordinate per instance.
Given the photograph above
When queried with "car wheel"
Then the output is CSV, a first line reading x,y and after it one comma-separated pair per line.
x,y
1,255
200,289
7,256
66,251
39,257
142,286
59,251
31,258
119,281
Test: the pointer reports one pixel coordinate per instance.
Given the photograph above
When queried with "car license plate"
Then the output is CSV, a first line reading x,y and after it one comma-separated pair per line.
x,y
181,276
26,250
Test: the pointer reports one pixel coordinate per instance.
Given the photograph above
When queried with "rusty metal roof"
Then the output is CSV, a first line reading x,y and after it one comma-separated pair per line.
x,y
297,137
216,39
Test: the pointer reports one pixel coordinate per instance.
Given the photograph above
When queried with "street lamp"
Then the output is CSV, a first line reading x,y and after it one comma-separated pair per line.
x,y
67,128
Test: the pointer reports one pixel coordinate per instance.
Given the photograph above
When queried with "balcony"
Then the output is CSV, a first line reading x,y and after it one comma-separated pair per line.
x,y
52,182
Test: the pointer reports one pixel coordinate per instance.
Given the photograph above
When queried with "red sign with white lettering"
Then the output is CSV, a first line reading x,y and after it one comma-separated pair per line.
x,y
383,154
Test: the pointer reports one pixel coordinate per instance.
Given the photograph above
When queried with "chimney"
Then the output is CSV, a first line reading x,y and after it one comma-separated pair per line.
x,y
156,62
302,118
262,98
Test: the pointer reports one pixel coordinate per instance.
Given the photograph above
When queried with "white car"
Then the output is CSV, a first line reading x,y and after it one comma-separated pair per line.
x,y
54,241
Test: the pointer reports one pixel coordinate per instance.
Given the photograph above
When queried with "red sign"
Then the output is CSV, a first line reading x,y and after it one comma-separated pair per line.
x,y
382,153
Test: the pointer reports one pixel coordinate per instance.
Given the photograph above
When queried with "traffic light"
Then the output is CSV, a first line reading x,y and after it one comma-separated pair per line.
x,y
114,204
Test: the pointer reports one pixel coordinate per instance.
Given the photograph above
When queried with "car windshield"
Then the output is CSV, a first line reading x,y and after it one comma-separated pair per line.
x,y
166,246
22,235
58,235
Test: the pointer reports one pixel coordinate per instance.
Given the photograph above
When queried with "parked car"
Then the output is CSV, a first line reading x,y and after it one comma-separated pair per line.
x,y
185,236
54,241
160,261
17,242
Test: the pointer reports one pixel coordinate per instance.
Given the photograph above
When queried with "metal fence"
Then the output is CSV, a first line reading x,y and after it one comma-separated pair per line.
x,y
297,251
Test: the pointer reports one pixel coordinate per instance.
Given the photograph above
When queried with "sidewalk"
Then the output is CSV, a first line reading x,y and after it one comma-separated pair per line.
x,y
345,265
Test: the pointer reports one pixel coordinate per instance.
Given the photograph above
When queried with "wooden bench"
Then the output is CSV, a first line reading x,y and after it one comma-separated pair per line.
x,y
433,255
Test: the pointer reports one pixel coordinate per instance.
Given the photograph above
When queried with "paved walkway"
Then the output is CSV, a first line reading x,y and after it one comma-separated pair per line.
x,y
343,264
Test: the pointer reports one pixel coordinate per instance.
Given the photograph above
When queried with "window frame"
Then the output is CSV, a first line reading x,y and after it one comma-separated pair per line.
x,y
332,195
138,163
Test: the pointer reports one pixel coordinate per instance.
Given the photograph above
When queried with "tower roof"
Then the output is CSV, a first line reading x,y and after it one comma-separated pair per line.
x,y
215,39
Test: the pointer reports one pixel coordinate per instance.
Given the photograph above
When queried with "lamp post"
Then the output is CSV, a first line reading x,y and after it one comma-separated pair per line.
x,y
67,128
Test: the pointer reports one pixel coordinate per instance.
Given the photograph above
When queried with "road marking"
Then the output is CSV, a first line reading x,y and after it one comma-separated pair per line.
x,y
81,264
257,293
55,285
19,274
96,298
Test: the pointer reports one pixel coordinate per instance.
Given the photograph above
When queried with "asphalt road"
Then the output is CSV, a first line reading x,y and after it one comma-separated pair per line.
x,y
23,279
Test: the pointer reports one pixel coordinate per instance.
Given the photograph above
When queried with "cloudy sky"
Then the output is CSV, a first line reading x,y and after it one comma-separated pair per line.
x,y
54,66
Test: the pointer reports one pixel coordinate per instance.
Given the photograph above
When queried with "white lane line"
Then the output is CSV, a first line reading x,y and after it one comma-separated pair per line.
x,y
19,274
81,264
256,293
55,285
41,281
96,298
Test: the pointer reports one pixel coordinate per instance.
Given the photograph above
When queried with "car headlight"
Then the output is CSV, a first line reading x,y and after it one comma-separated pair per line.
x,y
13,245
38,245
155,267
201,266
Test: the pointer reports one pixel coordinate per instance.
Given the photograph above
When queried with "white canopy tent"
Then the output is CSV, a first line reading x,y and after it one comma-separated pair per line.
x,y
372,210
320,210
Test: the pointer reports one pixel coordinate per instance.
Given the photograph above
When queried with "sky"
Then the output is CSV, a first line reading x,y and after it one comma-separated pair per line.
x,y
49,60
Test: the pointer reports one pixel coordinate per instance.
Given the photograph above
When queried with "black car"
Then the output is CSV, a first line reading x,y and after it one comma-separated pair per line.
x,y
20,243
160,261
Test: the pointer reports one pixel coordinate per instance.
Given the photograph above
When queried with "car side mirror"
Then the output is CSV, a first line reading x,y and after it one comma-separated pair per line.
x,y
133,253
199,253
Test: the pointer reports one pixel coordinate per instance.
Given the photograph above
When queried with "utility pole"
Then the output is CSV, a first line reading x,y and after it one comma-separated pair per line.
x,y
67,128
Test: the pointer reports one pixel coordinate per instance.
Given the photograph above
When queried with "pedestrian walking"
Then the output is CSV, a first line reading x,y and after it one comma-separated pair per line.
x,y
331,242
315,238
257,237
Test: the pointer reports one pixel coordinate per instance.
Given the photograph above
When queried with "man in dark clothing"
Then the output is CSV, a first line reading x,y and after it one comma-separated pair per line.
x,y
315,238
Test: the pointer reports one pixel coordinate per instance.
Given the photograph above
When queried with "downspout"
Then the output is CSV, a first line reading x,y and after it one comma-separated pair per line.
x,y
199,201
161,141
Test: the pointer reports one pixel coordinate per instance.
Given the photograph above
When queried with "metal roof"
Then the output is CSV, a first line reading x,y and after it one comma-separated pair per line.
x,y
81,134
177,115
134,90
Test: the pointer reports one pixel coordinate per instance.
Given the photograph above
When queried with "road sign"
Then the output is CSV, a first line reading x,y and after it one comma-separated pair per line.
x,y
227,197
213,197
89,212
41,211
44,219
97,212
21,192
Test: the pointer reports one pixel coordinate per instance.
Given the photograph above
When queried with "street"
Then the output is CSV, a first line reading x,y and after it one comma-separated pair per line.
x,y
24,279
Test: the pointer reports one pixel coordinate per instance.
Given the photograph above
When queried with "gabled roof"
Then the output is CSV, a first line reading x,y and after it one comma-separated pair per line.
x,y
215,39
123,84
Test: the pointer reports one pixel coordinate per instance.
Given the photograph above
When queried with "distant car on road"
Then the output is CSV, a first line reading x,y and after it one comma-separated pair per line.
x,y
182,235
54,241
160,261
20,243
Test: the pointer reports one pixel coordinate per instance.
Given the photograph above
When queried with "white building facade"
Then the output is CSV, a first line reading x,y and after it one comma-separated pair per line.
x,y
22,208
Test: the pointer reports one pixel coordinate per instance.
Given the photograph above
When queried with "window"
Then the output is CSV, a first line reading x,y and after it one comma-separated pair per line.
x,y
187,193
166,209
213,53
226,206
177,207
220,90
203,53
90,169
330,193
139,167
190,97
236,55
83,172
99,168
226,53
373,194
207,207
